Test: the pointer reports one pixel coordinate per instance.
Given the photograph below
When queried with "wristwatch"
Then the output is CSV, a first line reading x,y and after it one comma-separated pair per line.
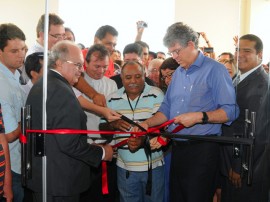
x,y
205,118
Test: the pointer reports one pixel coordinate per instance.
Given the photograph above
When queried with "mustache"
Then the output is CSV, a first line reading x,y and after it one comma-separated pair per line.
x,y
133,85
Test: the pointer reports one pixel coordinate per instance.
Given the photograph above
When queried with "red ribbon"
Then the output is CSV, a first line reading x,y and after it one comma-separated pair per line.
x,y
23,139
105,189
161,141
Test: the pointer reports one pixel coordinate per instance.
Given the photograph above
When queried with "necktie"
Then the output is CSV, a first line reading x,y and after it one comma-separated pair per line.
x,y
236,80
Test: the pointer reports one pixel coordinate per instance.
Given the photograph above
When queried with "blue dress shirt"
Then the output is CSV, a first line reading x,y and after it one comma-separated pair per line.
x,y
205,86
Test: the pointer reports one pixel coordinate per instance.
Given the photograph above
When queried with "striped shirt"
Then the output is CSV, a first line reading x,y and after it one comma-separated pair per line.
x,y
147,105
2,155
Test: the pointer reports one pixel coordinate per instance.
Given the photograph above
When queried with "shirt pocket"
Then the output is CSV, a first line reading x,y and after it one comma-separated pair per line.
x,y
200,96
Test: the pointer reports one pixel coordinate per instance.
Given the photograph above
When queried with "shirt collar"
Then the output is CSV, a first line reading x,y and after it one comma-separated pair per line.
x,y
243,76
9,74
197,63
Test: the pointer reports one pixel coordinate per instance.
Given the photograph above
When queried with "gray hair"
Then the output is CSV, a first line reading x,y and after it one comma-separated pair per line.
x,y
180,33
59,51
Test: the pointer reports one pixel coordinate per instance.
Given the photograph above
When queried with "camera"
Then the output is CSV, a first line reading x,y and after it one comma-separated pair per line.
x,y
142,24
208,50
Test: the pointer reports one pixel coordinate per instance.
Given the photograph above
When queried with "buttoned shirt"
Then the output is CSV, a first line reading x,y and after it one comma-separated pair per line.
x,y
204,86
139,109
12,98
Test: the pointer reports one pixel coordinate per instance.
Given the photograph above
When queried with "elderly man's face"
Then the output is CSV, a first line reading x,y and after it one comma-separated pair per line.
x,y
133,80
72,67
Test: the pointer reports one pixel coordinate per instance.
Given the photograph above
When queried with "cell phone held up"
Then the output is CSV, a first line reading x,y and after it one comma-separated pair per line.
x,y
208,49
142,24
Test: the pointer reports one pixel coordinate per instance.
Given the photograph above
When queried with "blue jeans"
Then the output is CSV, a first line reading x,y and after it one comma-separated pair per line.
x,y
133,187
17,188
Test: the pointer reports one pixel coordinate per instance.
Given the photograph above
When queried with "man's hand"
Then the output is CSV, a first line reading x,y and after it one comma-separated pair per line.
x,y
189,119
110,114
235,179
154,144
99,99
8,194
143,124
134,143
108,152
121,125
140,28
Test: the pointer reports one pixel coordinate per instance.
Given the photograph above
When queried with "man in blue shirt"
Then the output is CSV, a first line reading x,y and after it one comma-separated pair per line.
x,y
200,97
12,98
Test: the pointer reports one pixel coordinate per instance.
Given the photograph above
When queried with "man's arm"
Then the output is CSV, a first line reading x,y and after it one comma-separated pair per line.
x,y
14,135
85,88
109,114
139,31
192,118
155,120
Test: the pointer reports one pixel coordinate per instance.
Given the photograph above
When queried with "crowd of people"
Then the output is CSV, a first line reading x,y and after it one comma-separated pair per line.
x,y
99,88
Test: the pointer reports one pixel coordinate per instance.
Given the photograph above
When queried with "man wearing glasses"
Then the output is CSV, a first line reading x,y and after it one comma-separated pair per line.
x,y
200,97
56,33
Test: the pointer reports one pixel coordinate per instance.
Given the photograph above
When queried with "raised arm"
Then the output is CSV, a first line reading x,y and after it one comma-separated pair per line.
x,y
140,30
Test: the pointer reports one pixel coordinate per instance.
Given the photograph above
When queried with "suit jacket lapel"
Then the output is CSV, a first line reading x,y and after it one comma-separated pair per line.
x,y
249,78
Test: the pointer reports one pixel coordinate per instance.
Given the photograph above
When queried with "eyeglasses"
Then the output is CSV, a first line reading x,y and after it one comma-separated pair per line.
x,y
154,70
225,61
58,36
78,65
177,51
169,76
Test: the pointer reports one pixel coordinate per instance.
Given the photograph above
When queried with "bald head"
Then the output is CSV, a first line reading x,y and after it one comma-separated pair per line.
x,y
67,59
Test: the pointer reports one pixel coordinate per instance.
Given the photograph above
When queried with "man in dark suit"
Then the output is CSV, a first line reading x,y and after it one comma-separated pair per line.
x,y
251,87
69,157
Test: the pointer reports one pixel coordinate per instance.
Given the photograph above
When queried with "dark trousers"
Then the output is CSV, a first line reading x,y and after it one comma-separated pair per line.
x,y
38,198
247,193
194,166
95,192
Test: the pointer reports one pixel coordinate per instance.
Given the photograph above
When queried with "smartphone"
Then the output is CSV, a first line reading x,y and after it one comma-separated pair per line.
x,y
143,25
208,50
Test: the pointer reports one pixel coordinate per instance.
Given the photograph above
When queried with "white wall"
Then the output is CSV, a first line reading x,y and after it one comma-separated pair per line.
x,y
84,17
25,15
259,24
217,18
